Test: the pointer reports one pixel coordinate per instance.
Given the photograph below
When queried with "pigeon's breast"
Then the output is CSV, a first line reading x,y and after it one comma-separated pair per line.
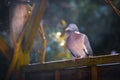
x,y
75,44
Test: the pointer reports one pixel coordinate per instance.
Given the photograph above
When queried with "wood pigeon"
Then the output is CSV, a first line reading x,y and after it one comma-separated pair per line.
x,y
78,43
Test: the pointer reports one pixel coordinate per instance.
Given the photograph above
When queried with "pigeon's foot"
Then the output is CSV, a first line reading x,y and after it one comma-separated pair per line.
x,y
74,59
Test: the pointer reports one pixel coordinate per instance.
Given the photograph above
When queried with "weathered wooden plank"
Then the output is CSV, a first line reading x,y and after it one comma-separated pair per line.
x,y
105,72
96,60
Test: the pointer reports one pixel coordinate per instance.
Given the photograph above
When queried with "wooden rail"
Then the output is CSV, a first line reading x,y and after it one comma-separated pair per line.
x,y
93,62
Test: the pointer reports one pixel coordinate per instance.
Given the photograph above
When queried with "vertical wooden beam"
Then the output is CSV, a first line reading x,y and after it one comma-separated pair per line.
x,y
23,59
35,23
17,52
57,75
94,73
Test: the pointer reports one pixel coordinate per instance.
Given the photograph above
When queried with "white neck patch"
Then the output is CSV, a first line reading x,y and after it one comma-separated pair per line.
x,y
77,32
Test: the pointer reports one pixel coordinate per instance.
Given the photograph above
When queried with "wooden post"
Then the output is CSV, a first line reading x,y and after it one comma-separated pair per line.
x,y
94,73
57,75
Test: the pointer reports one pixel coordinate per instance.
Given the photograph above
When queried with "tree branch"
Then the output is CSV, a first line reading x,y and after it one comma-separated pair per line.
x,y
44,42
114,8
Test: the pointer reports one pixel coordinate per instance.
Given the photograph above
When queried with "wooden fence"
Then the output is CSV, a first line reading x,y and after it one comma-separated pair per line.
x,y
106,67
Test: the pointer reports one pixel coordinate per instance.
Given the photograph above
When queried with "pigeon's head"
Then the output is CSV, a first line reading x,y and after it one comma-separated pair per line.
x,y
72,28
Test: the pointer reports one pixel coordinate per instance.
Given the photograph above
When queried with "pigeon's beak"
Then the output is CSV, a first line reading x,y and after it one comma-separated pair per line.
x,y
67,29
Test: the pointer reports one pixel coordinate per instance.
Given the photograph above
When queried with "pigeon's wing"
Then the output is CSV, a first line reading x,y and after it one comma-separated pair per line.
x,y
87,46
